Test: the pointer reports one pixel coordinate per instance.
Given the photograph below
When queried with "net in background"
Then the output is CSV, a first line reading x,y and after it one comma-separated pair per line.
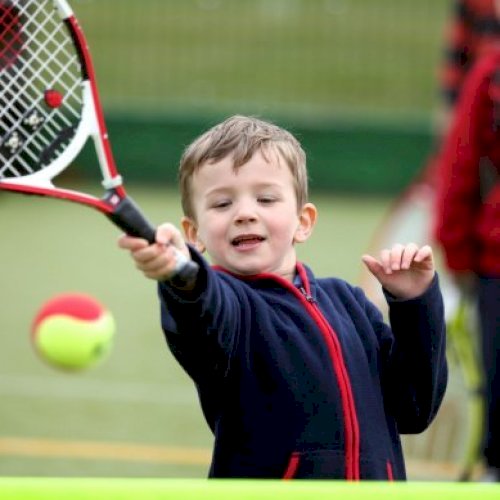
x,y
309,59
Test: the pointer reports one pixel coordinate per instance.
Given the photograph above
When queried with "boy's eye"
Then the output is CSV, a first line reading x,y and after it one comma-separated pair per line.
x,y
221,204
266,199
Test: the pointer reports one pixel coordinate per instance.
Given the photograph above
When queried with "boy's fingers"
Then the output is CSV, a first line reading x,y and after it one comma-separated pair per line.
x,y
399,257
161,265
159,260
424,253
147,254
130,243
153,267
409,253
373,265
167,234
396,255
385,259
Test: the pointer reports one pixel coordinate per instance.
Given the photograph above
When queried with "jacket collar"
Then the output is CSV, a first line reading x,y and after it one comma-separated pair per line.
x,y
304,278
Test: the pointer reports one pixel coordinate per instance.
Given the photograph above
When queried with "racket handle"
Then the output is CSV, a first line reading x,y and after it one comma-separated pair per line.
x,y
129,218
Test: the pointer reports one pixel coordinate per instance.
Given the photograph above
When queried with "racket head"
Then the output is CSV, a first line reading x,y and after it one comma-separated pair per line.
x,y
43,120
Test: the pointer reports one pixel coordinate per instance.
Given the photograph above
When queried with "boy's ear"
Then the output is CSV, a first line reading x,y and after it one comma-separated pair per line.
x,y
307,220
191,233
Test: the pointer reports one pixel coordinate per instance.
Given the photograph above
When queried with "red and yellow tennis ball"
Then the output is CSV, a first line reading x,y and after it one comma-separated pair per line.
x,y
73,331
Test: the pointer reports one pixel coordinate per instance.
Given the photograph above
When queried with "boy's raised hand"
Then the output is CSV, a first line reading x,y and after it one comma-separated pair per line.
x,y
405,271
158,260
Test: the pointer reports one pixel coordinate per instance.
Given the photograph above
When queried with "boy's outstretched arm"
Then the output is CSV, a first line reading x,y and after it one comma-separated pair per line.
x,y
157,261
405,271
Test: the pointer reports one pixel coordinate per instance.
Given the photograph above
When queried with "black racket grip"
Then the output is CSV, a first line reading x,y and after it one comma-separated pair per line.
x,y
128,217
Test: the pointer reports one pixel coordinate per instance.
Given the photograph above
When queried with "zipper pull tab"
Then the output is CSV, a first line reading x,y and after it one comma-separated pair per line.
x,y
308,297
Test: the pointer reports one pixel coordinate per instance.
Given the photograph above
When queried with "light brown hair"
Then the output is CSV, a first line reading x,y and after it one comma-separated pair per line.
x,y
241,137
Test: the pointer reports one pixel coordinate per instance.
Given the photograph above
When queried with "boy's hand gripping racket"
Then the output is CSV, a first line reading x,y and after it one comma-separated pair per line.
x,y
49,107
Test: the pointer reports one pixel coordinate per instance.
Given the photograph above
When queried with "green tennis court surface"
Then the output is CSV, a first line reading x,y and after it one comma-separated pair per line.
x,y
135,415
138,396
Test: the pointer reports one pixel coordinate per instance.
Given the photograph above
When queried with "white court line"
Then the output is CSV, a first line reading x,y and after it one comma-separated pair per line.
x,y
71,387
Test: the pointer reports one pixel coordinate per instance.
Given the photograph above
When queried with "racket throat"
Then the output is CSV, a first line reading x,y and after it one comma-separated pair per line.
x,y
126,215
111,183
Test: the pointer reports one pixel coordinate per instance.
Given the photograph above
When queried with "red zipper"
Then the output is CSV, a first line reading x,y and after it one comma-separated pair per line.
x,y
335,350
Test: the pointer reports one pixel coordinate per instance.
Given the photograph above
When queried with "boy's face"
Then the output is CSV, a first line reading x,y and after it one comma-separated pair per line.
x,y
247,219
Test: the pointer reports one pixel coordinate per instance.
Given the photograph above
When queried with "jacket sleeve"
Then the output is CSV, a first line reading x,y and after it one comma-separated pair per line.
x,y
417,373
201,326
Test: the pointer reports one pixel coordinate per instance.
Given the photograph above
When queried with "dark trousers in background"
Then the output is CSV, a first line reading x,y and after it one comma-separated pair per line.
x,y
489,317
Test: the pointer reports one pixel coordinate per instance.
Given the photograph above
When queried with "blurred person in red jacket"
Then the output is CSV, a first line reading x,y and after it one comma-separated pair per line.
x,y
468,220
473,29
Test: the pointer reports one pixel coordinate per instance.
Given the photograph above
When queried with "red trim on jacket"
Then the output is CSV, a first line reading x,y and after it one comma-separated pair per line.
x,y
390,475
340,369
293,465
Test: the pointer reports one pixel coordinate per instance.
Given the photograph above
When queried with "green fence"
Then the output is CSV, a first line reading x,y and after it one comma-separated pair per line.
x,y
351,159
355,78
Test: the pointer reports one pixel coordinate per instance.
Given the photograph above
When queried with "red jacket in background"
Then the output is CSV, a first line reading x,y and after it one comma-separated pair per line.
x,y
473,29
468,191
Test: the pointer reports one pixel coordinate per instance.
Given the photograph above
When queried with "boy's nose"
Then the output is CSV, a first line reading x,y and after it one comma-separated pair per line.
x,y
245,213
245,217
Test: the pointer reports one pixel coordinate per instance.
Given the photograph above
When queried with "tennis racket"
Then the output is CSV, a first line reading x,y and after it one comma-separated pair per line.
x,y
450,448
50,107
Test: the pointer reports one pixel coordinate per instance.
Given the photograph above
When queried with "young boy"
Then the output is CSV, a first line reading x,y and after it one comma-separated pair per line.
x,y
298,377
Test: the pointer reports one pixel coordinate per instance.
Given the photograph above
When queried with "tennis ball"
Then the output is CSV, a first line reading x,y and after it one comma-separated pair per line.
x,y
73,331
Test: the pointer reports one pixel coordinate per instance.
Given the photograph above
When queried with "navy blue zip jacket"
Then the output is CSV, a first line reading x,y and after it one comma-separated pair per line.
x,y
308,381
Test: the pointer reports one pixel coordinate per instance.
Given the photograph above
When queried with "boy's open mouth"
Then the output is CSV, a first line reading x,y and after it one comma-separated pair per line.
x,y
247,239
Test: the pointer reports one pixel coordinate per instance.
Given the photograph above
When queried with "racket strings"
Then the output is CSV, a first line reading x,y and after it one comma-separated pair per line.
x,y
51,52
10,34
40,91
42,139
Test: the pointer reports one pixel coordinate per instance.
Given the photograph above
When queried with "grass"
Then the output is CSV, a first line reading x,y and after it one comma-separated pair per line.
x,y
136,414
138,403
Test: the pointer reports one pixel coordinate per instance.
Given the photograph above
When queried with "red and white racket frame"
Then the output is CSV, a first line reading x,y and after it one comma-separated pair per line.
x,y
92,124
